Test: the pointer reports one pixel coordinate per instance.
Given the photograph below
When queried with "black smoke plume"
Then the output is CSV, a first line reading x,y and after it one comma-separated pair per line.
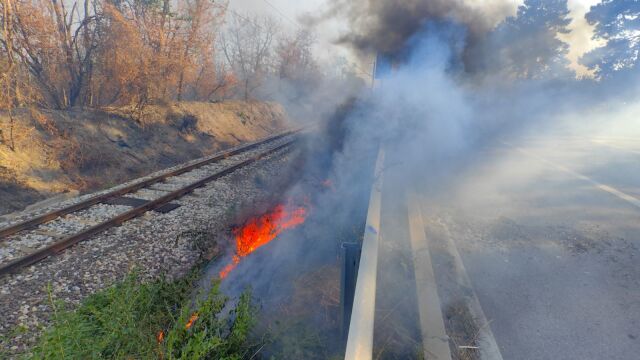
x,y
382,26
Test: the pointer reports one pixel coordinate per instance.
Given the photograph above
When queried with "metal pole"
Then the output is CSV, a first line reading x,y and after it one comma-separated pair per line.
x,y
373,73
350,263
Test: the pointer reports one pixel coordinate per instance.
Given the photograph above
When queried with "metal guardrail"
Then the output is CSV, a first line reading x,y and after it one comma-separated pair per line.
x,y
361,263
435,341
360,337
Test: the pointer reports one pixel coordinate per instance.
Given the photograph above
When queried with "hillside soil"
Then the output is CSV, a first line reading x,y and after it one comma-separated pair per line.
x,y
50,153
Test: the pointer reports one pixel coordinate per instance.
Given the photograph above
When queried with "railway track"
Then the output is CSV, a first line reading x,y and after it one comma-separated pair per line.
x,y
156,193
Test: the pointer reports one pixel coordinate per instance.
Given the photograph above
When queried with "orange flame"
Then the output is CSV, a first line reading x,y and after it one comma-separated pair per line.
x,y
261,230
192,319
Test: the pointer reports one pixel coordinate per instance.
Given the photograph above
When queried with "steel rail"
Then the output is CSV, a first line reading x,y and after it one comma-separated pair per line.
x,y
41,219
61,245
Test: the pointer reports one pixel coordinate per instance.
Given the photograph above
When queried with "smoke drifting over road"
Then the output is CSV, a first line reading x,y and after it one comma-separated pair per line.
x,y
430,113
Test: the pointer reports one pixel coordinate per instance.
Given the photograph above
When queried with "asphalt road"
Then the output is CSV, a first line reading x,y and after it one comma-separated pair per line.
x,y
549,233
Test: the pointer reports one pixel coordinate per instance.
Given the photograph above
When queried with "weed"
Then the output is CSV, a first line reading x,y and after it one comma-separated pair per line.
x,y
5,339
296,338
204,334
129,320
297,329
243,117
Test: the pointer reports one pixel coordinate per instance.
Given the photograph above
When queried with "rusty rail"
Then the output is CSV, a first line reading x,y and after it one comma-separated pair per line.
x,y
41,219
61,245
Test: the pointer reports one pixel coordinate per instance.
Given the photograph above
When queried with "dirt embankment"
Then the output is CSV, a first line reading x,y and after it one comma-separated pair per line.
x,y
84,150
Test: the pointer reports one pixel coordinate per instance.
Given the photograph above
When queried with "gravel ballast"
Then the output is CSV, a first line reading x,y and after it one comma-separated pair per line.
x,y
155,244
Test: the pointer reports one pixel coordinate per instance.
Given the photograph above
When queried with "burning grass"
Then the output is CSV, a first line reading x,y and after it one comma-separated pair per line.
x,y
154,320
261,230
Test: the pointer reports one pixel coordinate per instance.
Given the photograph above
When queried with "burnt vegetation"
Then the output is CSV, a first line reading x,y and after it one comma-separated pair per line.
x,y
124,56
62,54
129,54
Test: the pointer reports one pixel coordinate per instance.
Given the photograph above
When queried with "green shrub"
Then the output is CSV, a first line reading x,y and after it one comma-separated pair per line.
x,y
205,334
124,321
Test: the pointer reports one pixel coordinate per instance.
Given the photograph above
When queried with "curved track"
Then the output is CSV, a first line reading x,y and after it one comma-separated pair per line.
x,y
270,145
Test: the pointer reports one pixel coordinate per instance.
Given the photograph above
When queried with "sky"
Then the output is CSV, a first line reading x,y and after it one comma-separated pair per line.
x,y
580,38
289,11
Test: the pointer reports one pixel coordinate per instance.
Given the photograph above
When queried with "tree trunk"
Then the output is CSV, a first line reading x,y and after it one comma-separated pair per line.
x,y
11,78
180,84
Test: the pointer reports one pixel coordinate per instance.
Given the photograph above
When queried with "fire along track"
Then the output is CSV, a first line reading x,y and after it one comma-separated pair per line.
x,y
271,145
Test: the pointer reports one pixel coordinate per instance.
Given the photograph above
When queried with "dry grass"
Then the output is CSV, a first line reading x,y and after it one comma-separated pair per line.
x,y
85,150
297,330
463,331
321,287
32,159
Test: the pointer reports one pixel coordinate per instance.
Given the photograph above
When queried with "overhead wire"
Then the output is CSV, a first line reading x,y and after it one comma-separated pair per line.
x,y
295,23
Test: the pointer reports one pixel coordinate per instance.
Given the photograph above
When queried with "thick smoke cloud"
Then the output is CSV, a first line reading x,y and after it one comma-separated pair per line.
x,y
502,39
381,26
432,119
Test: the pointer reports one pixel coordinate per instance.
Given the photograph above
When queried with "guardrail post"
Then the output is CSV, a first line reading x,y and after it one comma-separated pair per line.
x,y
350,263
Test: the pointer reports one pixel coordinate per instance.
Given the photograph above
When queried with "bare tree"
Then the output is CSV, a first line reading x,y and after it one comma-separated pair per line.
x,y
203,18
296,66
248,48
8,82
294,55
56,44
66,53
